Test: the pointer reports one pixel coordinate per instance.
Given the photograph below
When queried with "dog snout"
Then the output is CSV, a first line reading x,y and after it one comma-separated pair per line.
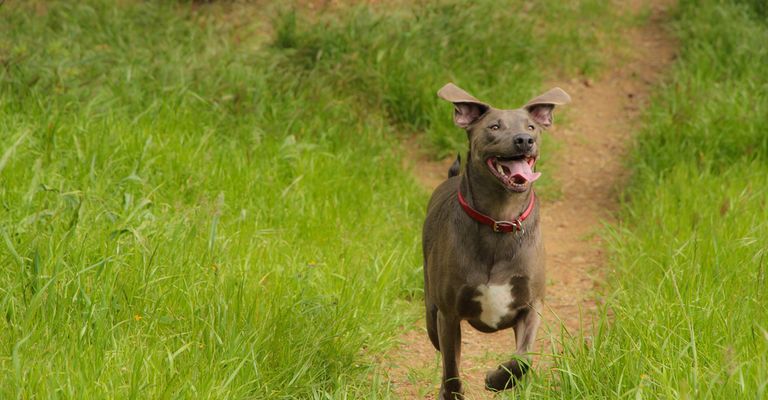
x,y
524,142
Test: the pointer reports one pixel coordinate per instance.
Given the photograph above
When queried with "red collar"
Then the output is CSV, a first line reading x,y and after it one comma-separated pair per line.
x,y
499,226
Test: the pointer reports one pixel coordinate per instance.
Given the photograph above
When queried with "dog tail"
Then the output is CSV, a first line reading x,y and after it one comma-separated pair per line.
x,y
455,167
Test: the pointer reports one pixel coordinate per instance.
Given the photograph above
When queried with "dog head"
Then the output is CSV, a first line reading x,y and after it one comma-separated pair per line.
x,y
504,143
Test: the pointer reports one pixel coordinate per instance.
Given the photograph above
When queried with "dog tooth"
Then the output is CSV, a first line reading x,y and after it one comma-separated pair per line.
x,y
500,169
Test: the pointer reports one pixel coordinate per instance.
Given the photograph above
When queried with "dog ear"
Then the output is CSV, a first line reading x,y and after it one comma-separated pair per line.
x,y
540,108
466,109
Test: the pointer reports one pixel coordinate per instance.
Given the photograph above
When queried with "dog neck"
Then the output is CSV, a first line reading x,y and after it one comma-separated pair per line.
x,y
485,194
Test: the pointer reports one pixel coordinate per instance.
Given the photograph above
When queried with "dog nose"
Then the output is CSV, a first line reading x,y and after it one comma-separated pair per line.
x,y
523,141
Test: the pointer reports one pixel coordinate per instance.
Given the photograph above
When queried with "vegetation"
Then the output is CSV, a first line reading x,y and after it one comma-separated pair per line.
x,y
688,307
194,206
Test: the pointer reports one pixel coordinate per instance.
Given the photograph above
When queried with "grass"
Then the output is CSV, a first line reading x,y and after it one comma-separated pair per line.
x,y
686,314
193,208
392,63
196,209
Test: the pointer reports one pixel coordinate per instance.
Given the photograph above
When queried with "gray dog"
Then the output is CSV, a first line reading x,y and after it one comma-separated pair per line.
x,y
483,253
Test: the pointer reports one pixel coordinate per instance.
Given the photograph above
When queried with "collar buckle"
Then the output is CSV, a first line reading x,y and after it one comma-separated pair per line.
x,y
507,226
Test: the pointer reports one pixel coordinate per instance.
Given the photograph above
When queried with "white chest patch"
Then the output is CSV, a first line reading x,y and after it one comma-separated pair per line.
x,y
494,301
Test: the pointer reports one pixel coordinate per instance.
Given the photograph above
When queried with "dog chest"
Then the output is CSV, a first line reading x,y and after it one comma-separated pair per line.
x,y
495,301
493,305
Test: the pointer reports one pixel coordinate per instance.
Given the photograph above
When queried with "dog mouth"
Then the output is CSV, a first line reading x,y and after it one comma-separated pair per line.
x,y
515,172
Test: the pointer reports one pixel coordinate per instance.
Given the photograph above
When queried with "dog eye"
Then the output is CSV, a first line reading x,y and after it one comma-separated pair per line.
x,y
494,127
531,127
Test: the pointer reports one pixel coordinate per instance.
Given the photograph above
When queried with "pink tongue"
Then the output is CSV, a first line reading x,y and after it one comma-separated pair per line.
x,y
522,169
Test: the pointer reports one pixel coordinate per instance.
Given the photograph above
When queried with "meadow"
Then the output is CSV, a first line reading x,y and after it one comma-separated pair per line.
x,y
210,201
199,203
686,314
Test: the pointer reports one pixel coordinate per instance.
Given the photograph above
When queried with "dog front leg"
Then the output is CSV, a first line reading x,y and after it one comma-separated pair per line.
x,y
507,374
449,336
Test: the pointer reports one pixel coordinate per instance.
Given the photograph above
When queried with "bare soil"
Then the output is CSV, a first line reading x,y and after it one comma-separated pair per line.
x,y
594,141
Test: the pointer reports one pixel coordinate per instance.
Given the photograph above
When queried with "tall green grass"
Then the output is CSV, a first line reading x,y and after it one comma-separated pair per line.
x,y
499,51
194,210
181,219
687,306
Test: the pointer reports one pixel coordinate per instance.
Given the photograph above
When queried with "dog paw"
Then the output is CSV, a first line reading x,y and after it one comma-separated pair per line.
x,y
506,375
456,393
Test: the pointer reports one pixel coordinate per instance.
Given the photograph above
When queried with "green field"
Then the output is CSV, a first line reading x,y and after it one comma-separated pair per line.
x,y
686,313
207,201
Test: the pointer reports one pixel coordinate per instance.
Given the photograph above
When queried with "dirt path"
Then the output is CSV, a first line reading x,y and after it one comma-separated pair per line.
x,y
594,140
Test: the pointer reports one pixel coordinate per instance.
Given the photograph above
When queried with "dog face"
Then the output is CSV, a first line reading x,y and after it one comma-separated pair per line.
x,y
504,144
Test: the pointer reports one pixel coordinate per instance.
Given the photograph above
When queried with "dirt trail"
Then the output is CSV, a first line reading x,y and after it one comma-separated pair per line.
x,y
593,142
